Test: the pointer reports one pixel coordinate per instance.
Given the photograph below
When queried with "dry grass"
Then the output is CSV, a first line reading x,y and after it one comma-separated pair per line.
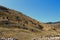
x,y
15,24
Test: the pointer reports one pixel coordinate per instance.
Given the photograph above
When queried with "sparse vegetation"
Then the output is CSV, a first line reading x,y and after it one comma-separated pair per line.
x,y
16,24
40,27
18,18
26,22
3,8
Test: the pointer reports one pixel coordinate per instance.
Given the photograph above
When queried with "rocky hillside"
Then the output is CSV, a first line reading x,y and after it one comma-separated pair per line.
x,y
17,25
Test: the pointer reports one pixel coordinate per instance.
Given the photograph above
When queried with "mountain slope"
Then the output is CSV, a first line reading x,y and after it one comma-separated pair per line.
x,y
17,25
56,25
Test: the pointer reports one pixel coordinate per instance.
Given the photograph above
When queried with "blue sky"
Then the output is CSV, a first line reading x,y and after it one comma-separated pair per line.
x,y
41,10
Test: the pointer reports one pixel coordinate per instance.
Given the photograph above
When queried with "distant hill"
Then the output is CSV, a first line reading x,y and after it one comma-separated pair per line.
x,y
17,25
53,22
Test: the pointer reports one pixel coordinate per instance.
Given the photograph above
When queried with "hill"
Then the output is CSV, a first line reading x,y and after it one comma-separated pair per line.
x,y
17,25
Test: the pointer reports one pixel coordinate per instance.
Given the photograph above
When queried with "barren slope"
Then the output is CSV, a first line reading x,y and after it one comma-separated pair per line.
x,y
15,24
